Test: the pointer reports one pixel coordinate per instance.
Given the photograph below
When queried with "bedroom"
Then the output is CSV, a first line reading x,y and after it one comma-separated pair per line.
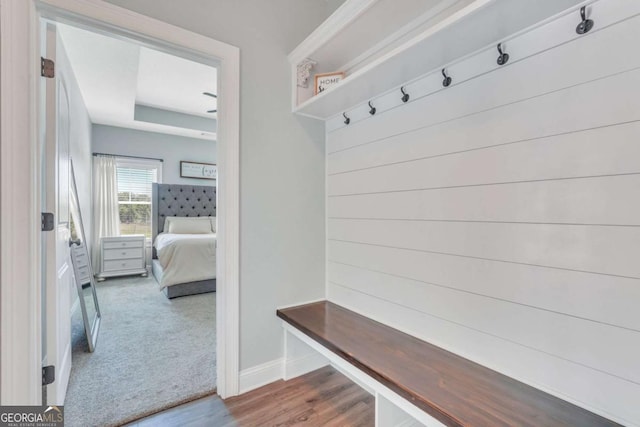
x,y
143,151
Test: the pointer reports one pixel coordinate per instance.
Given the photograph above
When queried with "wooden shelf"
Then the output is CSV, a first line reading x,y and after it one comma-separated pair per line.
x,y
478,25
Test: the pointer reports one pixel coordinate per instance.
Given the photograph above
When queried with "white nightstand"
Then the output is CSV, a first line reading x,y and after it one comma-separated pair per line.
x,y
122,256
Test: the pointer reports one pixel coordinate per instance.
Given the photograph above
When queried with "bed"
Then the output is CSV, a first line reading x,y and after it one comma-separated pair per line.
x,y
183,253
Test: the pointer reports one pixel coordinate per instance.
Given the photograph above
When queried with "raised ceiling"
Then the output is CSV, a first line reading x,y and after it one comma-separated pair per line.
x,y
115,76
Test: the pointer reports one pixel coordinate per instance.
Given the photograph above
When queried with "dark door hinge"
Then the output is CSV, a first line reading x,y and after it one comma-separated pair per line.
x,y
47,68
48,374
46,221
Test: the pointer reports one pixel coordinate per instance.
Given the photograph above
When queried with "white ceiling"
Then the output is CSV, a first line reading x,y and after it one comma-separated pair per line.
x,y
176,84
115,75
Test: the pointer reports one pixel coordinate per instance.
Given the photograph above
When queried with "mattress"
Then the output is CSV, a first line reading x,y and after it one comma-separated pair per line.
x,y
186,257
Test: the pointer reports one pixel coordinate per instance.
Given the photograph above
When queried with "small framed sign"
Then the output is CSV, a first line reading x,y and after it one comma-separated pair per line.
x,y
198,170
326,80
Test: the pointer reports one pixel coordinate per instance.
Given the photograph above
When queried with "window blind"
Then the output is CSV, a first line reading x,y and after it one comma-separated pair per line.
x,y
134,194
134,183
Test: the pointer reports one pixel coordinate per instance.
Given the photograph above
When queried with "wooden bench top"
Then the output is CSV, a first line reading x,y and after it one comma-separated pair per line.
x,y
450,388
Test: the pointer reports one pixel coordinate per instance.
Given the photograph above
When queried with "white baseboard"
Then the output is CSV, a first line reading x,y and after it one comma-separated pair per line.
x,y
260,375
274,370
303,365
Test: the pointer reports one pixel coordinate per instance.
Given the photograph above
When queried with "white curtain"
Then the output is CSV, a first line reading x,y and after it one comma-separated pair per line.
x,y
106,216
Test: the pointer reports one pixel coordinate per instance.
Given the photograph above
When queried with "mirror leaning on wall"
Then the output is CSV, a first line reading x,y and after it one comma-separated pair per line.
x,y
82,269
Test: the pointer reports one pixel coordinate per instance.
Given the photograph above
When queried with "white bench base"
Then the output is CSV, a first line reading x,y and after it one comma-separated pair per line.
x,y
302,354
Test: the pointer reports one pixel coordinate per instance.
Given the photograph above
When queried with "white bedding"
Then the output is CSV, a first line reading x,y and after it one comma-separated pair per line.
x,y
186,257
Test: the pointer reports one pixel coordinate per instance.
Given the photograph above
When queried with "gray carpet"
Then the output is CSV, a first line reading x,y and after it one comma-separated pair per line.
x,y
152,353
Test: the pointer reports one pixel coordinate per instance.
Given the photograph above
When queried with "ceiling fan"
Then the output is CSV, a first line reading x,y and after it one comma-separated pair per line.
x,y
213,96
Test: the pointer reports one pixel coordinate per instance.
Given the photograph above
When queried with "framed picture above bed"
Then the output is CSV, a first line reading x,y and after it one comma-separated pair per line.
x,y
198,170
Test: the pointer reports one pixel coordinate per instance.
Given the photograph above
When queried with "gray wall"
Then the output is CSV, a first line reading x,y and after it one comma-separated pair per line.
x,y
332,5
80,135
79,148
281,158
171,148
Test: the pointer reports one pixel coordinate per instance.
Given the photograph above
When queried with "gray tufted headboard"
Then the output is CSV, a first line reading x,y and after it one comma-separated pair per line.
x,y
180,200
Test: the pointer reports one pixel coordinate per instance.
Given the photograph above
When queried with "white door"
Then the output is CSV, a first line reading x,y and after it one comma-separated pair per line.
x,y
58,271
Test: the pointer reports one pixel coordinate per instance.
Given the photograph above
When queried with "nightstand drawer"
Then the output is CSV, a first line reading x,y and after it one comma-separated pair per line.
x,y
123,244
126,253
123,256
124,264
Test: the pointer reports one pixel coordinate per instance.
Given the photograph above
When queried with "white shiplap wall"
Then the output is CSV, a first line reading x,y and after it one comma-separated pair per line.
x,y
500,219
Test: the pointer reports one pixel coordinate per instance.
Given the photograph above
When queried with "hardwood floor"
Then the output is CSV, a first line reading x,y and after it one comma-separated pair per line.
x,y
321,398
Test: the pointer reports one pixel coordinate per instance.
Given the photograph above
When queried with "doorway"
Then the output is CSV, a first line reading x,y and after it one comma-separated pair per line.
x,y
138,114
20,27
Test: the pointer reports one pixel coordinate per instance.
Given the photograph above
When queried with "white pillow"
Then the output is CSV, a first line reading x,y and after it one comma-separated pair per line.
x,y
169,219
189,226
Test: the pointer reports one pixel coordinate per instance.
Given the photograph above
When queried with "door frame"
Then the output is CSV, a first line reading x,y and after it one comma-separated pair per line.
x,y
20,237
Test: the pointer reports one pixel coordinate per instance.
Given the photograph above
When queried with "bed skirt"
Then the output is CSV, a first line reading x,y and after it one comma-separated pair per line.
x,y
182,289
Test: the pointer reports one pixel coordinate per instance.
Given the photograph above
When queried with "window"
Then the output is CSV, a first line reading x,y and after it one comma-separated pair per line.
x,y
135,177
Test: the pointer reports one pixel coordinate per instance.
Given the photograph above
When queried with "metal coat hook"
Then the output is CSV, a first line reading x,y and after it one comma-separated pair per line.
x,y
405,95
347,120
586,25
372,111
503,58
447,80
